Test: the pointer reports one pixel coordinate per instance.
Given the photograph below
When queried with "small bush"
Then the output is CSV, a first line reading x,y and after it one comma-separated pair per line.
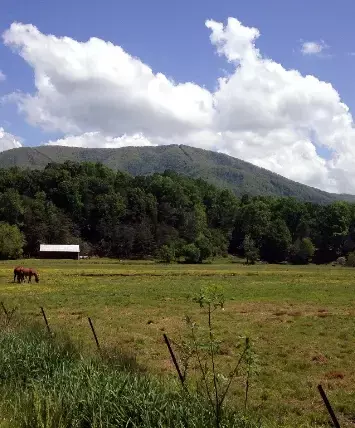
x,y
191,253
166,254
302,251
351,260
205,248
250,250
341,261
11,241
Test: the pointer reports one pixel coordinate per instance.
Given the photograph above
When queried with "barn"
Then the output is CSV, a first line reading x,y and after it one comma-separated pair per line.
x,y
59,251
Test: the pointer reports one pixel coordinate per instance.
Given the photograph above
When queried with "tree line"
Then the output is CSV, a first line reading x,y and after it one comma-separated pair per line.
x,y
168,216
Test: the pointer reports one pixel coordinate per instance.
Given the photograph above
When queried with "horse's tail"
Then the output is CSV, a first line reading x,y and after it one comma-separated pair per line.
x,y
17,272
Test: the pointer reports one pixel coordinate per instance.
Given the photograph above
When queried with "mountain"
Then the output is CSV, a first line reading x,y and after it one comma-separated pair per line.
x,y
217,168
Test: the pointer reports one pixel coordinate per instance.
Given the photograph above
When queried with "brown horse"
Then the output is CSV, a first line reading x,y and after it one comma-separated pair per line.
x,y
18,273
29,272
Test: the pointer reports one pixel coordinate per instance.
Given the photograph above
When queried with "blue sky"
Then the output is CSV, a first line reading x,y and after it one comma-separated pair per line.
x,y
171,37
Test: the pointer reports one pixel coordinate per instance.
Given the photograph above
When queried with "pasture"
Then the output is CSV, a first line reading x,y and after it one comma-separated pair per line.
x,y
301,321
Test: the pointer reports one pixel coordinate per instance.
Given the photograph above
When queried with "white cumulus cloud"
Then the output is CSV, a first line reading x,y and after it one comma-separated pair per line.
x,y
313,48
96,86
2,76
8,141
95,139
98,95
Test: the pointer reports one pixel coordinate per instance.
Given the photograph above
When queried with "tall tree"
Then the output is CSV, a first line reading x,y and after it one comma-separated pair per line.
x,y
11,207
251,252
302,251
276,242
333,224
11,241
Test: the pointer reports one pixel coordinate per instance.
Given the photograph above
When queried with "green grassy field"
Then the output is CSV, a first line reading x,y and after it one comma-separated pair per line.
x,y
300,320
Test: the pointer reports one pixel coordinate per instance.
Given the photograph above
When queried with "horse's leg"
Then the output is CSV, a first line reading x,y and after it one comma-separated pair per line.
x,y
14,277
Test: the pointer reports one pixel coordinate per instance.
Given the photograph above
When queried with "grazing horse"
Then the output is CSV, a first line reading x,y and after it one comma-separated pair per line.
x,y
18,273
29,272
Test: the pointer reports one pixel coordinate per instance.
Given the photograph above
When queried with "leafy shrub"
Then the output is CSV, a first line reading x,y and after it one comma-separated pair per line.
x,y
191,253
341,261
302,251
11,241
351,260
166,254
205,247
250,250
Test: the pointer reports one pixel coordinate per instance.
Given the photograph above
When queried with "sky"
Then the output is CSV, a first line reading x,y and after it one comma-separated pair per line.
x,y
269,82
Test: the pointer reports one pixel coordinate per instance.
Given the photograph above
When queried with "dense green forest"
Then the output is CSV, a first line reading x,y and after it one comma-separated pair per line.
x,y
216,168
168,216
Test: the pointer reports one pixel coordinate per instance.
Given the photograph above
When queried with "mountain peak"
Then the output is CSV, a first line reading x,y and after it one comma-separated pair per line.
x,y
217,168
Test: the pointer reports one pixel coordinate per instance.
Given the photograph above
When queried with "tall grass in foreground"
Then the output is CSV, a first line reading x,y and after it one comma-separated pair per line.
x,y
46,383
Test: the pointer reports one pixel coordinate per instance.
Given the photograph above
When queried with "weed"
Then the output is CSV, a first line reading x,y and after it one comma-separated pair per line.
x,y
215,384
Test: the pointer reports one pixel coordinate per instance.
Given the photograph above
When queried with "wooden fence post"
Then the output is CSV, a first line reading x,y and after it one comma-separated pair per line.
x,y
328,406
94,333
46,321
181,377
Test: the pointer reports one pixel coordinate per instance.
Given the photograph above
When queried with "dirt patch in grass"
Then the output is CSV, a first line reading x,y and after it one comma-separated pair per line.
x,y
265,310
334,375
280,313
324,315
319,359
295,313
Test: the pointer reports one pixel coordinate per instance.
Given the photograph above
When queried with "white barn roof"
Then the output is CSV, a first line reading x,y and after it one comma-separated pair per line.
x,y
60,248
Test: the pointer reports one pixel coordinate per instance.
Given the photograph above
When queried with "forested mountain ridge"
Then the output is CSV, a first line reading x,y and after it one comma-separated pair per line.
x,y
216,168
169,216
